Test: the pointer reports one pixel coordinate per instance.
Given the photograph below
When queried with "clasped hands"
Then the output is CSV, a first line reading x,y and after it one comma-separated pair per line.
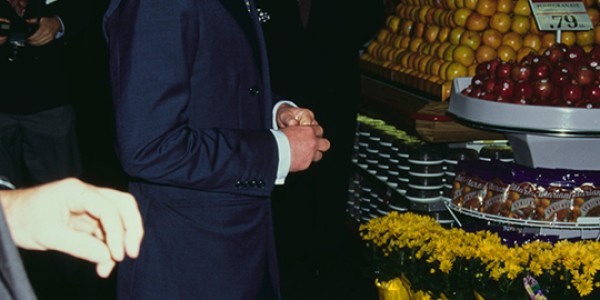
x,y
48,28
304,134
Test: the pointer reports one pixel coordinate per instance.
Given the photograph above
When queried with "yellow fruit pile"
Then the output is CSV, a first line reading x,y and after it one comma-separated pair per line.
x,y
439,40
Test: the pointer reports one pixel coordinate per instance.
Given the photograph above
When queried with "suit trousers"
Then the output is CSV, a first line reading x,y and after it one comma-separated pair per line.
x,y
39,147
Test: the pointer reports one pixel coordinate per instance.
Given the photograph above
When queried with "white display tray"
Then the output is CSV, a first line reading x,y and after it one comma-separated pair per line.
x,y
540,136
532,118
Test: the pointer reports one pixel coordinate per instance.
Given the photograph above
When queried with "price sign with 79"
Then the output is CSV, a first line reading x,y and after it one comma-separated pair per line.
x,y
560,15
564,22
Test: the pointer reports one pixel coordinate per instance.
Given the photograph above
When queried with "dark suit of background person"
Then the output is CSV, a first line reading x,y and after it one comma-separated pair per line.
x,y
193,112
37,131
317,66
14,284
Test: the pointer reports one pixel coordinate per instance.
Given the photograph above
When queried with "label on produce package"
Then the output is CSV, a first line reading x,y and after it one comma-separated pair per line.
x,y
554,15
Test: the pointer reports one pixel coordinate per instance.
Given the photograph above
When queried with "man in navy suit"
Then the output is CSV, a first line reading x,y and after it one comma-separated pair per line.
x,y
204,143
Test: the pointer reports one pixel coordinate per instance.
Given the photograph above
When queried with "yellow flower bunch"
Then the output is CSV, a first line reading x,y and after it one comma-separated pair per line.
x,y
424,239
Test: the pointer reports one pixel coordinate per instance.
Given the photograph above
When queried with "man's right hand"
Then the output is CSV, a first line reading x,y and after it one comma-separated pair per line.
x,y
307,145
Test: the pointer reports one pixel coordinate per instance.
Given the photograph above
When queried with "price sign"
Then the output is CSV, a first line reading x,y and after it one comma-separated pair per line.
x,y
556,15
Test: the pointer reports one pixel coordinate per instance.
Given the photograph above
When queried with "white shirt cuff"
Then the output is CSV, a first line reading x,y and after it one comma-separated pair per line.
x,y
283,146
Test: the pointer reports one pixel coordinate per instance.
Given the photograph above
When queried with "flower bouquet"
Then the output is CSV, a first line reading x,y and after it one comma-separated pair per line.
x,y
455,264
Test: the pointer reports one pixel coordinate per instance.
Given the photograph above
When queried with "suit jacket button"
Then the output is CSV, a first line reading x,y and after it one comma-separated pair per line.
x,y
238,184
254,91
261,184
253,183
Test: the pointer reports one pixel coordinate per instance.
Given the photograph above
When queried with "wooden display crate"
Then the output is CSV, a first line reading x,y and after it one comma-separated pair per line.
x,y
431,91
415,112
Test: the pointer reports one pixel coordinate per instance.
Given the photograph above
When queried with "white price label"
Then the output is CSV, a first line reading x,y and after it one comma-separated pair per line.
x,y
557,15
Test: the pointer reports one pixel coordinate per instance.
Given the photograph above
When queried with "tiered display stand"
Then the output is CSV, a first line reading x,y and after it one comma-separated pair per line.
x,y
541,137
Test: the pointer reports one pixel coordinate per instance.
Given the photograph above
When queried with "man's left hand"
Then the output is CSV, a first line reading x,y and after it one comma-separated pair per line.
x,y
288,115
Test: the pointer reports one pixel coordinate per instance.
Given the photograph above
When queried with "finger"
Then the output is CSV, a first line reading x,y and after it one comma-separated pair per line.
x,y
323,145
105,210
80,245
104,269
317,156
130,220
318,130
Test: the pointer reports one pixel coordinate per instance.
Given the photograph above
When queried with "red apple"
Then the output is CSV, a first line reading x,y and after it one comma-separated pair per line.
x,y
489,85
520,72
575,53
595,52
504,89
503,70
540,70
592,92
542,89
571,93
522,92
560,76
583,76
554,53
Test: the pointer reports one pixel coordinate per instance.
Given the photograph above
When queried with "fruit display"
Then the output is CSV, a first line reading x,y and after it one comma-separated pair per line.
x,y
561,76
435,41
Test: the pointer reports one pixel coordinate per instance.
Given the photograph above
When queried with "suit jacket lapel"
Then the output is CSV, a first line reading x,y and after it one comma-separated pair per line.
x,y
238,9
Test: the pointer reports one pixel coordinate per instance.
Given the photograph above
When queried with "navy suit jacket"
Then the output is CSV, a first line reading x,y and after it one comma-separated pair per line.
x,y
193,111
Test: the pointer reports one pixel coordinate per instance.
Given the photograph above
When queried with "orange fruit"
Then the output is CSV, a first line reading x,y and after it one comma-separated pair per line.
x,y
594,15
477,22
532,41
471,4
492,38
471,70
485,53
460,16
548,39
431,33
447,89
414,44
382,35
520,24
434,67
449,52
524,51
506,53
505,6
455,35
441,49
522,8
513,40
568,38
406,27
597,35
418,29
501,22
423,12
486,7
584,38
392,22
443,34
444,69
535,29
471,39
456,70
464,55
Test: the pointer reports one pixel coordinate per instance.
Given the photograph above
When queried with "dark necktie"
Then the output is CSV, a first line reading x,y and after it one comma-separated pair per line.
x,y
19,6
304,6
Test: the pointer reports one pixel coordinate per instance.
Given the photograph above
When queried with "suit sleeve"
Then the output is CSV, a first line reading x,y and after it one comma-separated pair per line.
x,y
152,45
